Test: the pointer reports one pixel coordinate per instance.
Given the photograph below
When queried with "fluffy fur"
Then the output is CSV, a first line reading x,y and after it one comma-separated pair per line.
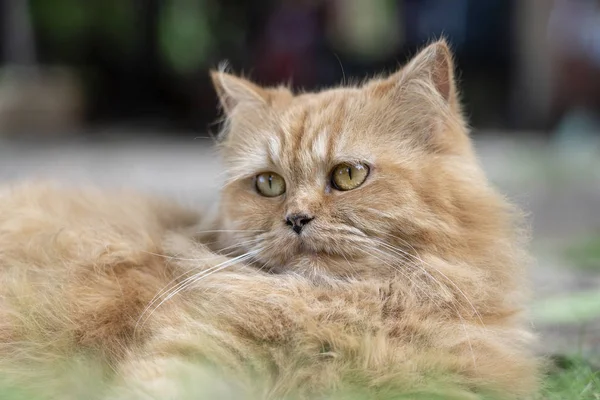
x,y
409,285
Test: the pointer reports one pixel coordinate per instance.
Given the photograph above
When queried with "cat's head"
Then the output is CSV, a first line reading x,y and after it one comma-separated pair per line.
x,y
345,179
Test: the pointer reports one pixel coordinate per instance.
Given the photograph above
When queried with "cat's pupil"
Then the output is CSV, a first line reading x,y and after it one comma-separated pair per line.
x,y
270,181
349,172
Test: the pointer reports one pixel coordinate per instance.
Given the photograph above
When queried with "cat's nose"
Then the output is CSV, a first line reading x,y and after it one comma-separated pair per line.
x,y
298,221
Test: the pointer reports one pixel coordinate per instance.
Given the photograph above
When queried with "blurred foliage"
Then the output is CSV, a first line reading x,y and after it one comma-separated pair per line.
x,y
185,35
569,378
185,38
66,25
585,253
573,308
61,21
572,378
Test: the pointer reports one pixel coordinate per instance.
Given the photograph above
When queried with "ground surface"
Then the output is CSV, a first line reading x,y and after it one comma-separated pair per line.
x,y
559,187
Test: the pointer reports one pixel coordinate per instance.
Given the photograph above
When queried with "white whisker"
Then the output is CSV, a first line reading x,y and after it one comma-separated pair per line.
x,y
167,287
185,284
231,231
407,254
462,321
404,274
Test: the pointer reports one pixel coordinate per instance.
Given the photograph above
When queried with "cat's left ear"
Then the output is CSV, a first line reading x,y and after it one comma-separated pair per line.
x,y
234,91
432,67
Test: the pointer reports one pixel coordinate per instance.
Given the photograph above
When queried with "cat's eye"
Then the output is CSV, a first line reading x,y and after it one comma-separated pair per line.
x,y
269,184
349,176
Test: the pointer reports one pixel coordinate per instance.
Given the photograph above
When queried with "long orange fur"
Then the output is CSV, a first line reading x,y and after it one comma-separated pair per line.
x,y
416,275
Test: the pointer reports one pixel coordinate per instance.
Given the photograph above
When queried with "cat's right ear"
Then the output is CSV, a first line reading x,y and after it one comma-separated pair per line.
x,y
233,92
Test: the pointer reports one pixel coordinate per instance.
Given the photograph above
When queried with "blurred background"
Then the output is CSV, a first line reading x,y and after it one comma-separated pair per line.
x,y
143,63
116,92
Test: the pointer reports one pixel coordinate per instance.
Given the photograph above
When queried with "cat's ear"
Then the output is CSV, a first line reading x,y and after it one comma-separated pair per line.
x,y
432,67
427,84
233,91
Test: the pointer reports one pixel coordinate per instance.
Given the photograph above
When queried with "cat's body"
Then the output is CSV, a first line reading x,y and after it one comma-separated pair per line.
x,y
409,282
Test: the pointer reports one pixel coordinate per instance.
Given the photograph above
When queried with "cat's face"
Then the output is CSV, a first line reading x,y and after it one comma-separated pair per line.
x,y
318,181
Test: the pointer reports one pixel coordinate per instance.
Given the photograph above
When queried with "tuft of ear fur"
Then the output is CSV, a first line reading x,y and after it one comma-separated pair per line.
x,y
233,91
426,84
432,65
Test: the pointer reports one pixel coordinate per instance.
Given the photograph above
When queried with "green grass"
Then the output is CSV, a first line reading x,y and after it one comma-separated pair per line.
x,y
573,308
585,253
570,378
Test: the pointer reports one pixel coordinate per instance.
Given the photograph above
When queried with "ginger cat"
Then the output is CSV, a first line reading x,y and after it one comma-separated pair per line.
x,y
358,250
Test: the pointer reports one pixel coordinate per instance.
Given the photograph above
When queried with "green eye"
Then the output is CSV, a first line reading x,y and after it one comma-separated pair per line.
x,y
269,184
348,176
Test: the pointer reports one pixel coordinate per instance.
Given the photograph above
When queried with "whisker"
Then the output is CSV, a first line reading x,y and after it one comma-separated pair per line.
x,y
407,276
249,255
198,277
184,284
166,288
462,293
237,245
175,257
349,263
406,255
462,321
207,270
231,231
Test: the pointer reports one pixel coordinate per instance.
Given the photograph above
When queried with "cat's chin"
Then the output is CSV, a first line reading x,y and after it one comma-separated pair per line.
x,y
320,266
311,256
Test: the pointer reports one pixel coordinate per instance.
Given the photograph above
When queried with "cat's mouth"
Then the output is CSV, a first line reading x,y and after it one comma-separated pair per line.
x,y
313,248
306,243
307,249
302,251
